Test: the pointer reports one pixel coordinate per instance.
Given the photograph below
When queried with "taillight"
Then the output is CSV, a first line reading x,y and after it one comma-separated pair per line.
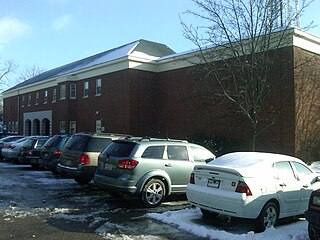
x,y
127,164
57,153
191,180
242,187
84,159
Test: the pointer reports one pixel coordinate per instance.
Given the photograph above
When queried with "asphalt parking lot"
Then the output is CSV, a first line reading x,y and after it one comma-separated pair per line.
x,y
40,205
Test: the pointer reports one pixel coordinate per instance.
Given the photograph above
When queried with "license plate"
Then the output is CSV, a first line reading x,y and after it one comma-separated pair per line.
x,y
213,183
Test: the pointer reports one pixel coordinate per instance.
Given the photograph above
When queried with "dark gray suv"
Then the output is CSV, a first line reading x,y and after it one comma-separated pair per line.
x,y
79,155
149,168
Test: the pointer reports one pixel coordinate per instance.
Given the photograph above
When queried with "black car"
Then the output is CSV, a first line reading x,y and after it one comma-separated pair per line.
x,y
313,215
51,151
31,149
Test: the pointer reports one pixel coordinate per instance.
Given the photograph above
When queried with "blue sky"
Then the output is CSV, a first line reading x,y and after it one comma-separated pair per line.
x,y
51,33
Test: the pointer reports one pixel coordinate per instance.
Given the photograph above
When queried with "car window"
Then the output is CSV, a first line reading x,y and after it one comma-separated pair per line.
x,y
62,141
40,143
77,143
284,171
155,152
302,170
119,149
177,153
29,143
200,154
98,144
52,141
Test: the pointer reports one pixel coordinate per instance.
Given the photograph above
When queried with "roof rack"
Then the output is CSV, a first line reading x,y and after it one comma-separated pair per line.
x,y
146,138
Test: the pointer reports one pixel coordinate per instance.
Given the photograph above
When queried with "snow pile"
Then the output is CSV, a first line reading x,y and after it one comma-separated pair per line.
x,y
184,220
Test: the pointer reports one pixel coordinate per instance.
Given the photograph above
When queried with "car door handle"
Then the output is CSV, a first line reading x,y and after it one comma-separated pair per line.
x,y
282,185
305,186
168,165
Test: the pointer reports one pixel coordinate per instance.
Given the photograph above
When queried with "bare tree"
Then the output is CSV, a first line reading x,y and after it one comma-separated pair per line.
x,y
6,69
236,39
29,72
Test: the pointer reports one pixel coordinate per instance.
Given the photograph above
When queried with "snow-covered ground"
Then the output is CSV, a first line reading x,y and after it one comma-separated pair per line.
x,y
185,220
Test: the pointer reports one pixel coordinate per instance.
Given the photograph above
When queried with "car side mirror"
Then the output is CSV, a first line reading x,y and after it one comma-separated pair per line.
x,y
316,179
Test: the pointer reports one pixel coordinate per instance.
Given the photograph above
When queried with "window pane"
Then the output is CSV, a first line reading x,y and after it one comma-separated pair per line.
x,y
177,153
200,154
284,171
153,152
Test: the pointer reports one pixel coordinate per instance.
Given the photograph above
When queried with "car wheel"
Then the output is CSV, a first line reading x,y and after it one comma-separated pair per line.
x,y
268,217
314,232
153,193
208,214
83,181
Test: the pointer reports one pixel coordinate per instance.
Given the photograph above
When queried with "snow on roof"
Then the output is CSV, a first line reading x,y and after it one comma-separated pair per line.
x,y
141,48
250,163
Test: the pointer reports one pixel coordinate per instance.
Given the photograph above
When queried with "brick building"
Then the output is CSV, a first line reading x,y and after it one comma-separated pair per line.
x,y
145,88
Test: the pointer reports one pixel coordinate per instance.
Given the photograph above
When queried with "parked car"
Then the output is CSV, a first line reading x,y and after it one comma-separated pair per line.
x,y
51,150
79,156
259,186
149,168
11,149
313,215
31,149
8,139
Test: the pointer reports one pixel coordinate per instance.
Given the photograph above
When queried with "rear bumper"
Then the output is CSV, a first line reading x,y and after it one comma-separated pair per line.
x,y
226,203
77,172
110,183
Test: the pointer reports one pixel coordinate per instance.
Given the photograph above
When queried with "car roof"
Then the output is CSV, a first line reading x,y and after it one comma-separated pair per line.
x,y
250,163
149,140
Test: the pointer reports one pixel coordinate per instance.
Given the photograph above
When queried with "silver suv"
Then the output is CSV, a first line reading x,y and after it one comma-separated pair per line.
x,y
149,168
79,155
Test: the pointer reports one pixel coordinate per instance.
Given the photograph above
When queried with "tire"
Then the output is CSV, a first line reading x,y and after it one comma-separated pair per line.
x,y
153,193
313,231
208,214
83,181
268,217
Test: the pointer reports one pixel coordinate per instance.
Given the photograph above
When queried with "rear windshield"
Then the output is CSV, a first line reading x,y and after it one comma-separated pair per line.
x,y
77,143
120,149
98,144
52,141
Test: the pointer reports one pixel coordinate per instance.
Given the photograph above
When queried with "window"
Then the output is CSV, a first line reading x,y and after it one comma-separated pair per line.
x,y
85,89
302,170
98,126
177,153
62,126
98,87
37,98
23,101
284,171
73,91
45,96
72,126
16,127
200,154
63,91
155,152
54,95
29,100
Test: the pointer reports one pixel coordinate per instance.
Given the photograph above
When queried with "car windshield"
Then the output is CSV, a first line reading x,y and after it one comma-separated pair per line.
x,y
120,149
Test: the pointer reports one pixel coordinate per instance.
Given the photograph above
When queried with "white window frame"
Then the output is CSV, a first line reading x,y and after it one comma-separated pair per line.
x,y
72,126
85,89
73,91
29,99
62,92
54,95
45,96
98,87
98,126
23,101
62,126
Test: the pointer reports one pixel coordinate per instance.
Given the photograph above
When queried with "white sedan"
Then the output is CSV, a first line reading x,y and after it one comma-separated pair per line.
x,y
260,186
